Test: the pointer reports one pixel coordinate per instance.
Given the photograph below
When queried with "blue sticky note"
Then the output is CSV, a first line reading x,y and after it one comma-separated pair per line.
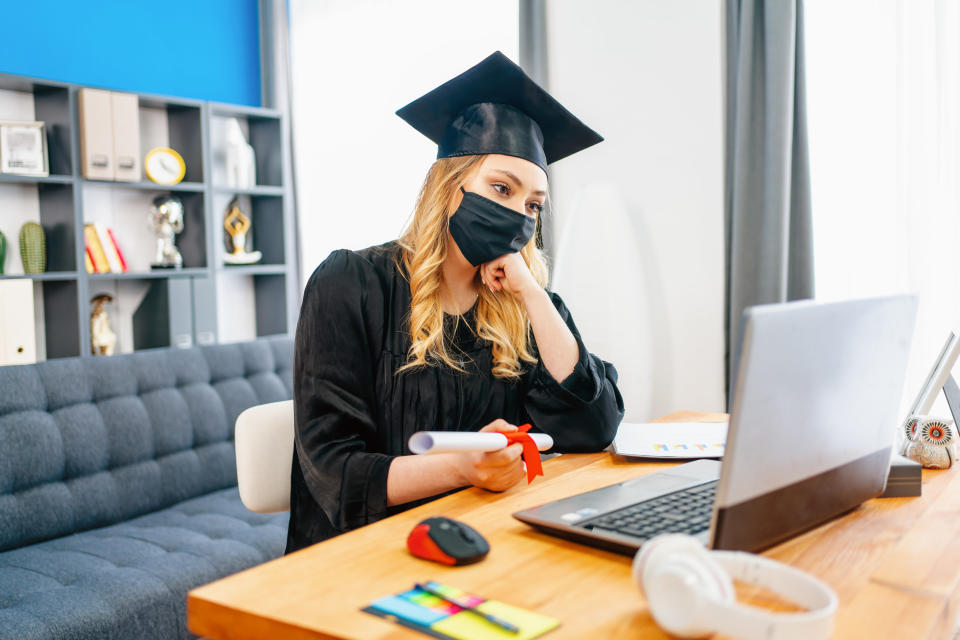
x,y
407,610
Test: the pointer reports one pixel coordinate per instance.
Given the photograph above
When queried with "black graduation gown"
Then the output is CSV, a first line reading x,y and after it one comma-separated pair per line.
x,y
354,414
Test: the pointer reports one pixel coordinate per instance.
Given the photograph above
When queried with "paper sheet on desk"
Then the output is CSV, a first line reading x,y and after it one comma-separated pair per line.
x,y
671,439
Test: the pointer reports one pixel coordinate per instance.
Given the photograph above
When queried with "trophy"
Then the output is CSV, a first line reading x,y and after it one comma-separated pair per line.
x,y
102,339
237,224
166,220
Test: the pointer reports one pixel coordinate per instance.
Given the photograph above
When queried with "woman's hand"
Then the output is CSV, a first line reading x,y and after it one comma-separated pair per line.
x,y
508,273
494,470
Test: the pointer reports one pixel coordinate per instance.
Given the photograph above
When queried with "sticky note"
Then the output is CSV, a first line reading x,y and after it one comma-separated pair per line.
x,y
407,610
469,626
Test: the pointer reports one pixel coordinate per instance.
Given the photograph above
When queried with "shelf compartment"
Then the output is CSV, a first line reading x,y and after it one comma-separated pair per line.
x,y
51,205
266,233
41,318
25,99
263,130
250,305
126,212
183,132
148,313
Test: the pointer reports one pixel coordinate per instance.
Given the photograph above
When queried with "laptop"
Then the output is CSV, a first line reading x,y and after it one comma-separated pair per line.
x,y
814,415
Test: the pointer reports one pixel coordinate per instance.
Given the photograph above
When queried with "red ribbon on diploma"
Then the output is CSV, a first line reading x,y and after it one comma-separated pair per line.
x,y
531,455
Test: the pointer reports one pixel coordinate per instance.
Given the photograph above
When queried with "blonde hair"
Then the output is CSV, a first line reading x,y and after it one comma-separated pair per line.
x,y
501,318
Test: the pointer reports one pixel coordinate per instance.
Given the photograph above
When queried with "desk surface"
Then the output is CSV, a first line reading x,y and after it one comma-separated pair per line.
x,y
894,563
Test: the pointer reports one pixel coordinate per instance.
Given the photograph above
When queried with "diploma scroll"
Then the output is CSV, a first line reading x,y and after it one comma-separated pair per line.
x,y
458,441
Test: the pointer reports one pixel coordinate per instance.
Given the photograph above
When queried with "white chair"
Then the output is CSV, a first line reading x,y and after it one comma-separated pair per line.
x,y
263,439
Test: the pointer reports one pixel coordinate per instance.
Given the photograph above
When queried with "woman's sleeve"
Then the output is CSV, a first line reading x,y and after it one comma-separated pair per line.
x,y
583,411
334,391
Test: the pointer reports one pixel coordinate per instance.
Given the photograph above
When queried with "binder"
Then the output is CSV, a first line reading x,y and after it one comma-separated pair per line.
x,y
18,339
96,133
125,108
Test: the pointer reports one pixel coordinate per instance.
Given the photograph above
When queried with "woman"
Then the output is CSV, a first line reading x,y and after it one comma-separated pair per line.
x,y
449,327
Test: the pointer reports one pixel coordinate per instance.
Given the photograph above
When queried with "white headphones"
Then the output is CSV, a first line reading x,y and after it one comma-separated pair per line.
x,y
690,592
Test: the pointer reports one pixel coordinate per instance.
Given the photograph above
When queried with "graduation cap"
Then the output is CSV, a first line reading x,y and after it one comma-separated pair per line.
x,y
494,107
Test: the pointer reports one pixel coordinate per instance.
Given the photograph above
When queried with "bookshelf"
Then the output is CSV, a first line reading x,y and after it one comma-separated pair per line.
x,y
205,302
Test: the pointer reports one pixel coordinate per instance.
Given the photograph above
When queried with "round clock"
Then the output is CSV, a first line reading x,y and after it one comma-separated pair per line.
x,y
164,166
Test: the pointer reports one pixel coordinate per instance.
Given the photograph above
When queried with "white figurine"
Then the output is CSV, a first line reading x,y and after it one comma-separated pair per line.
x,y
930,441
241,162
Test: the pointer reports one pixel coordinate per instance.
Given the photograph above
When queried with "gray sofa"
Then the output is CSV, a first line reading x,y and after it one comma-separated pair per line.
x,y
118,487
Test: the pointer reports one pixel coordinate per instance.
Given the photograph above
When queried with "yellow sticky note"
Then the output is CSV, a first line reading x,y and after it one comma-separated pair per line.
x,y
469,626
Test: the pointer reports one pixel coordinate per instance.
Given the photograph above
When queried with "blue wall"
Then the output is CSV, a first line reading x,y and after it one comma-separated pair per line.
x,y
203,49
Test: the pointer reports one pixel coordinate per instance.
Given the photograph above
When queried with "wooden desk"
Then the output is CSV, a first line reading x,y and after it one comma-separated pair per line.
x,y
894,563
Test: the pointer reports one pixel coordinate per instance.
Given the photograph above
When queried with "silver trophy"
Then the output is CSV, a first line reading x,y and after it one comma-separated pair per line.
x,y
166,220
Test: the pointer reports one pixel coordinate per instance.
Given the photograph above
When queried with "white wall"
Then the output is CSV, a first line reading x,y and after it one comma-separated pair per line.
x,y
640,263
359,166
640,249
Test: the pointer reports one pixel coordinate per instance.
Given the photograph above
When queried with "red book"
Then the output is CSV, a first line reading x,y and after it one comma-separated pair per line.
x,y
116,247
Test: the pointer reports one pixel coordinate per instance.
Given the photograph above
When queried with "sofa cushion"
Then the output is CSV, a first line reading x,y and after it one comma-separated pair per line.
x,y
89,442
130,580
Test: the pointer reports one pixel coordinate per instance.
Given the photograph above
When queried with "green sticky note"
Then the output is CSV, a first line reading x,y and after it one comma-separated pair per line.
x,y
469,626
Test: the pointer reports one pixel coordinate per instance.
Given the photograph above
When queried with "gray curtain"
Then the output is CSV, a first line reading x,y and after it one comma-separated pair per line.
x,y
275,93
769,235
533,60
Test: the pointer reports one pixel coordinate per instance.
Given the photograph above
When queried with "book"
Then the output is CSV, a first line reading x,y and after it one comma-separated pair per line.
x,y
99,258
116,247
88,260
108,249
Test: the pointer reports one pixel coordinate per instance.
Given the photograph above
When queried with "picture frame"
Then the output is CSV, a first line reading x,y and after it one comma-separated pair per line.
x,y
23,148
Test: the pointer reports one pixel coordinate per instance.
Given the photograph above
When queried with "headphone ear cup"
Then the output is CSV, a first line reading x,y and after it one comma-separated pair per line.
x,y
677,577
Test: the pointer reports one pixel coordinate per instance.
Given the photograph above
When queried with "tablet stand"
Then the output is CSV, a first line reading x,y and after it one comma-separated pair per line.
x,y
952,391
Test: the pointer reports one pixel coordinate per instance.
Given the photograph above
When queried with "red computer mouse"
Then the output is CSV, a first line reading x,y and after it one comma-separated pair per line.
x,y
447,541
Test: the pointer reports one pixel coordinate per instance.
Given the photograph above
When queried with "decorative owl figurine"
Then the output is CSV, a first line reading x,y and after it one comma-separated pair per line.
x,y
930,440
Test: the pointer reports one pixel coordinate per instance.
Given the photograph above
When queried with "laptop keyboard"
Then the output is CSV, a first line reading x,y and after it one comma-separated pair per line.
x,y
687,511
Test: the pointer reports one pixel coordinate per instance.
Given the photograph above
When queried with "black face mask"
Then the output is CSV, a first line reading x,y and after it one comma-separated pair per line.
x,y
484,229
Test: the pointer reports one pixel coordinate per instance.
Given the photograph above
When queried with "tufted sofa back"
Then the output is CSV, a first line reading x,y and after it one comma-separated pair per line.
x,y
88,442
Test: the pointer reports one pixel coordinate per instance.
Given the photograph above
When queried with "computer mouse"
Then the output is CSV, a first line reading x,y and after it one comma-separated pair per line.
x,y
447,541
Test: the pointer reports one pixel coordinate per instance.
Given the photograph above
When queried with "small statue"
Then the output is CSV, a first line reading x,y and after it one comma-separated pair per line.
x,y
930,441
102,339
166,220
237,224
241,162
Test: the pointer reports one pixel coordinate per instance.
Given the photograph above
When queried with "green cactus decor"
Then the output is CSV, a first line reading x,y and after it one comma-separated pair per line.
x,y
3,251
33,248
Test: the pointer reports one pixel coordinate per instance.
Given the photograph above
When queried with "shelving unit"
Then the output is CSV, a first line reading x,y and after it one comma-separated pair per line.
x,y
206,301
